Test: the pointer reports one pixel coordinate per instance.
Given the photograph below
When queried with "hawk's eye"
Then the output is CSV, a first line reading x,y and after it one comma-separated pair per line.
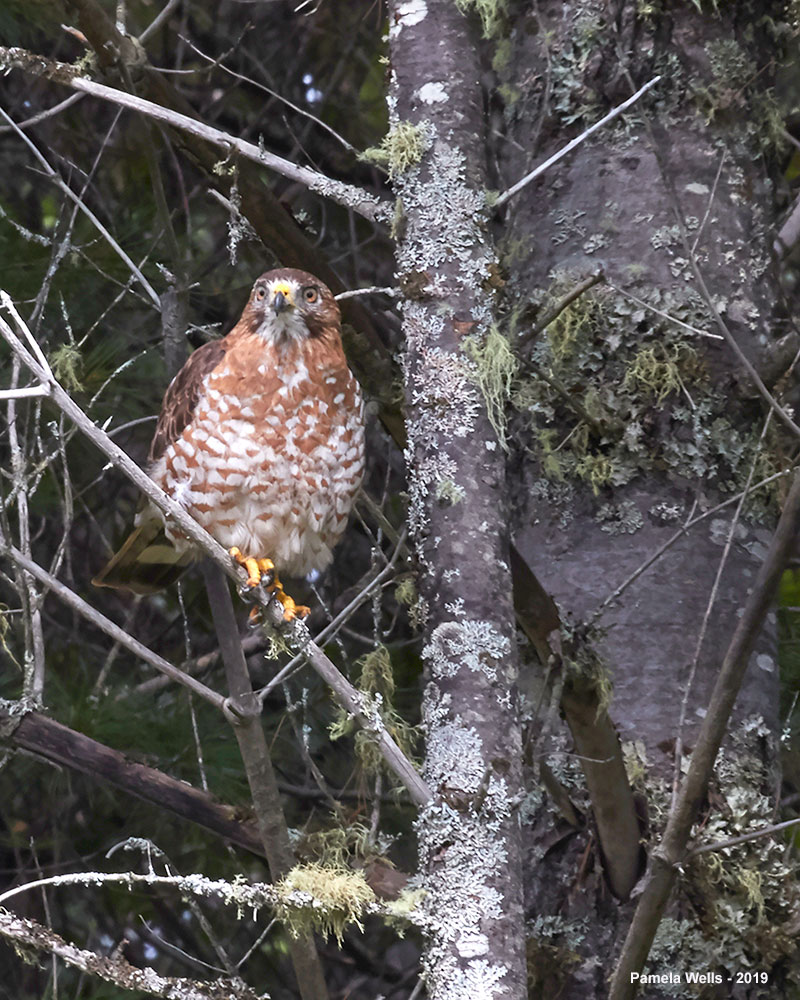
x,y
261,293
310,294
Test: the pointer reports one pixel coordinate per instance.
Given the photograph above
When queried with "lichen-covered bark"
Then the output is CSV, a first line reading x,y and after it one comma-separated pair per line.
x,y
597,498
469,835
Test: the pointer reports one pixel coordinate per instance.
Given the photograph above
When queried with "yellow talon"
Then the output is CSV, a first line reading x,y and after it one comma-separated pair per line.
x,y
259,568
256,568
290,609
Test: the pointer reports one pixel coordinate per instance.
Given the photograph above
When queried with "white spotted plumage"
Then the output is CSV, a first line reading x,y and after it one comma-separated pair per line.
x,y
273,456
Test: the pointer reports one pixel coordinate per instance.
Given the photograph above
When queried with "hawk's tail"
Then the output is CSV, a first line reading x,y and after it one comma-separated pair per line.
x,y
146,563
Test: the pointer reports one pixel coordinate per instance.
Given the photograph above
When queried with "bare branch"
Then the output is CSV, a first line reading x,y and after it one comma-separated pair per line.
x,y
538,171
54,742
374,290
348,195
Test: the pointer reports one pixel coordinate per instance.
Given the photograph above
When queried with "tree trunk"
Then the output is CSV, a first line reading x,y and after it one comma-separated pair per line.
x,y
469,837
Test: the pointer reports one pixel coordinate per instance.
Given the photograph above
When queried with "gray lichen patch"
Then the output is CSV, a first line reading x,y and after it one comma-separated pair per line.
x,y
449,218
470,645
460,911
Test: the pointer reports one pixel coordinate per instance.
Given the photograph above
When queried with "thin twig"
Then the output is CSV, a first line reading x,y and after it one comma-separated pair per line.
x,y
72,600
560,306
374,290
712,600
44,115
158,20
662,314
538,171
766,831
617,592
273,93
55,177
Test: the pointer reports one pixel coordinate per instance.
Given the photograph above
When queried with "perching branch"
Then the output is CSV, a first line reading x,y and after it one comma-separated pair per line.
x,y
671,852
347,195
261,778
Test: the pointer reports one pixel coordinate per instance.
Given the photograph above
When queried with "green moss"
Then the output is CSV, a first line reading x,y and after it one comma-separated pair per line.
x,y
376,685
401,148
340,847
496,367
322,899
587,672
66,362
406,590
597,471
656,369
595,380
376,672
491,12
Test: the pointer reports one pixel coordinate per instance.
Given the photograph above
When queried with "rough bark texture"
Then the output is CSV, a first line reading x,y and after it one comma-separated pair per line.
x,y
469,835
596,500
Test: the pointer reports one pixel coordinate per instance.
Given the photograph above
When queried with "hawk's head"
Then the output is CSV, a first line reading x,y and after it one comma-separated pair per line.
x,y
288,304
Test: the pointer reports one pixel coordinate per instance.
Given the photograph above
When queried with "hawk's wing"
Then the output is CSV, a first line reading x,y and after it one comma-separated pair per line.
x,y
147,562
182,395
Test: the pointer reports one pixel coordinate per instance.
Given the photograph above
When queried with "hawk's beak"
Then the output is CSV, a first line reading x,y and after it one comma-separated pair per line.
x,y
282,298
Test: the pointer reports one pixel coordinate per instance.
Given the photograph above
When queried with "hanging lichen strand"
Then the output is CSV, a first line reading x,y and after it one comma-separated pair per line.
x,y
469,835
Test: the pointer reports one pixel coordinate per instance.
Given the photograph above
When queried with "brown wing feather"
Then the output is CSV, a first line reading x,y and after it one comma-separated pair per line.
x,y
183,394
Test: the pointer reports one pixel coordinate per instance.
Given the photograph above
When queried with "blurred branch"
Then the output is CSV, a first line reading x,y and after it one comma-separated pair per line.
x,y
55,177
43,115
27,934
596,739
60,745
348,195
